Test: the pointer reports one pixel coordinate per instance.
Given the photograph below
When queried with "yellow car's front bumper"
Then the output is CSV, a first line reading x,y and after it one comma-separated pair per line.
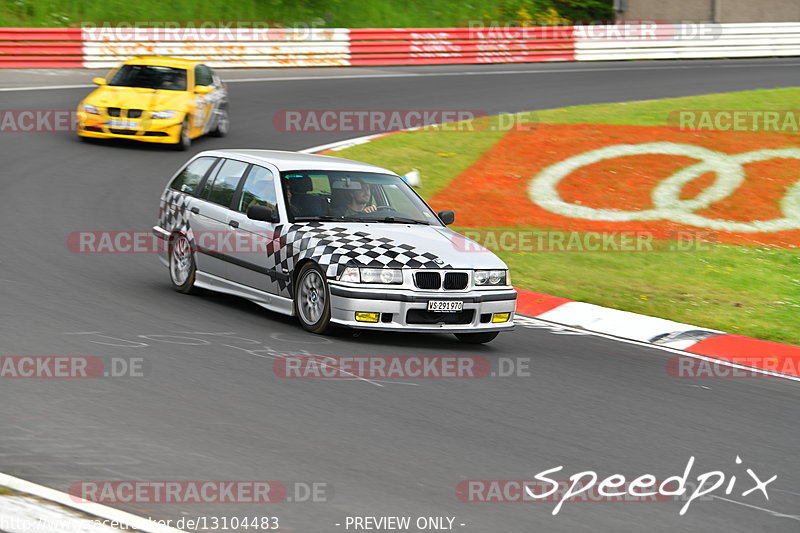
x,y
167,131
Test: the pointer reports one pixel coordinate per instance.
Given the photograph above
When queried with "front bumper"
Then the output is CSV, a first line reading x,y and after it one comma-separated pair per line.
x,y
153,131
347,300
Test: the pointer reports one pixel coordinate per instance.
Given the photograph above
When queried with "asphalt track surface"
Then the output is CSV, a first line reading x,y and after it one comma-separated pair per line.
x,y
214,410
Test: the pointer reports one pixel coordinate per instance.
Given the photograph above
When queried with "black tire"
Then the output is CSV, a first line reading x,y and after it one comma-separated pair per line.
x,y
477,338
223,123
182,268
184,141
312,300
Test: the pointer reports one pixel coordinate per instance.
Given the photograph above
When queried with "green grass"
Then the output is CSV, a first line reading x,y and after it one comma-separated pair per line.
x,y
747,290
302,13
5,491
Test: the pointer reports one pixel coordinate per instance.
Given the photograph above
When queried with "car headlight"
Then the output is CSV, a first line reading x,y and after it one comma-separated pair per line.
x,y
164,114
89,108
491,277
372,275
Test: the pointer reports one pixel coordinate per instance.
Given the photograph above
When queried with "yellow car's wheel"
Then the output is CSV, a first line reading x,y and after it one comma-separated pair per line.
x,y
184,140
223,123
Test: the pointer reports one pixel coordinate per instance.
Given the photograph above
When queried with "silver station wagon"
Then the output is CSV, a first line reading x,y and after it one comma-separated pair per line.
x,y
332,241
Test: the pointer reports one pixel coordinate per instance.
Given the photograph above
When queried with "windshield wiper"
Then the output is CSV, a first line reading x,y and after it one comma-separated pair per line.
x,y
397,220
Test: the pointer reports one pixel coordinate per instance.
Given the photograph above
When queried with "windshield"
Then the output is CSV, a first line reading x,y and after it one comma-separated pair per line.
x,y
150,77
353,197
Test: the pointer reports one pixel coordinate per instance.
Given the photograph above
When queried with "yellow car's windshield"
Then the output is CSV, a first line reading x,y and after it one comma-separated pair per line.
x,y
150,77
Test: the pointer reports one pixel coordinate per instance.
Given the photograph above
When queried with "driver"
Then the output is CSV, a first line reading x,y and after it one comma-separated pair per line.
x,y
173,81
360,201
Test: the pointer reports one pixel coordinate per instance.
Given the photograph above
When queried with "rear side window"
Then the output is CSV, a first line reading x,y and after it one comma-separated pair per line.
x,y
190,177
259,189
225,184
202,76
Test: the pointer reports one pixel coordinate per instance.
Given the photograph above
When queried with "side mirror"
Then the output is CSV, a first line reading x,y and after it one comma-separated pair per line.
x,y
203,89
261,213
99,81
447,217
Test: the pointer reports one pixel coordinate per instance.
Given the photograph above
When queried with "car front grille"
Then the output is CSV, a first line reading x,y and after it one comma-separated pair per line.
x,y
122,132
428,280
456,281
432,280
129,113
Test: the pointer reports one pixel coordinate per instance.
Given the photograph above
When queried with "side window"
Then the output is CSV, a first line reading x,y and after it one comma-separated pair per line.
x,y
202,76
259,189
190,177
227,179
215,77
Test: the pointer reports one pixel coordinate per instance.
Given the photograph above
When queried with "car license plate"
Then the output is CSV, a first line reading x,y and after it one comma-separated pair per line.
x,y
123,124
445,306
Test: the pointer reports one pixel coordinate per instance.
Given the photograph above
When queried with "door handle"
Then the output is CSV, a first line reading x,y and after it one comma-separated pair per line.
x,y
195,210
233,224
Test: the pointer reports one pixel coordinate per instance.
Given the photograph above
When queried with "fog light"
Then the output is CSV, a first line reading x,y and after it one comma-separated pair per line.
x,y
500,317
368,317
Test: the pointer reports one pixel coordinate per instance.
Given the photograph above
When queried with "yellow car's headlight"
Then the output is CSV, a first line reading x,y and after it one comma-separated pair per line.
x,y
89,108
164,114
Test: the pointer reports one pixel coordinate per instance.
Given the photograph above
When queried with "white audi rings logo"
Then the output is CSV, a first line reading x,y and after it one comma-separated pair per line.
x,y
729,175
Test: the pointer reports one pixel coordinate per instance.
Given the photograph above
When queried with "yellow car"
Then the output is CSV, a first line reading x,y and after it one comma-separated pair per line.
x,y
156,99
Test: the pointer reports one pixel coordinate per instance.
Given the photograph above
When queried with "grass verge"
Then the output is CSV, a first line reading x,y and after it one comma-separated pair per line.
x,y
298,13
747,290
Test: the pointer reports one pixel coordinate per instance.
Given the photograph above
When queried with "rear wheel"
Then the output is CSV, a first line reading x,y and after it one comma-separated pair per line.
x,y
477,338
182,269
312,302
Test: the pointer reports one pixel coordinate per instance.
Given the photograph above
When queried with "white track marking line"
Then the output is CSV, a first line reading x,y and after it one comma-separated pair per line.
x,y
501,72
44,88
433,74
94,509
769,511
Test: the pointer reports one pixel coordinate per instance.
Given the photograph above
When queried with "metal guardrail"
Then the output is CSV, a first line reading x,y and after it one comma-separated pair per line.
x,y
690,41
41,48
435,46
243,47
100,47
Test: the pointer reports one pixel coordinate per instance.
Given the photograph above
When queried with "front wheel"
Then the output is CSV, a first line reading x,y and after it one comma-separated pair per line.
x,y
223,123
312,302
477,338
182,269
184,138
